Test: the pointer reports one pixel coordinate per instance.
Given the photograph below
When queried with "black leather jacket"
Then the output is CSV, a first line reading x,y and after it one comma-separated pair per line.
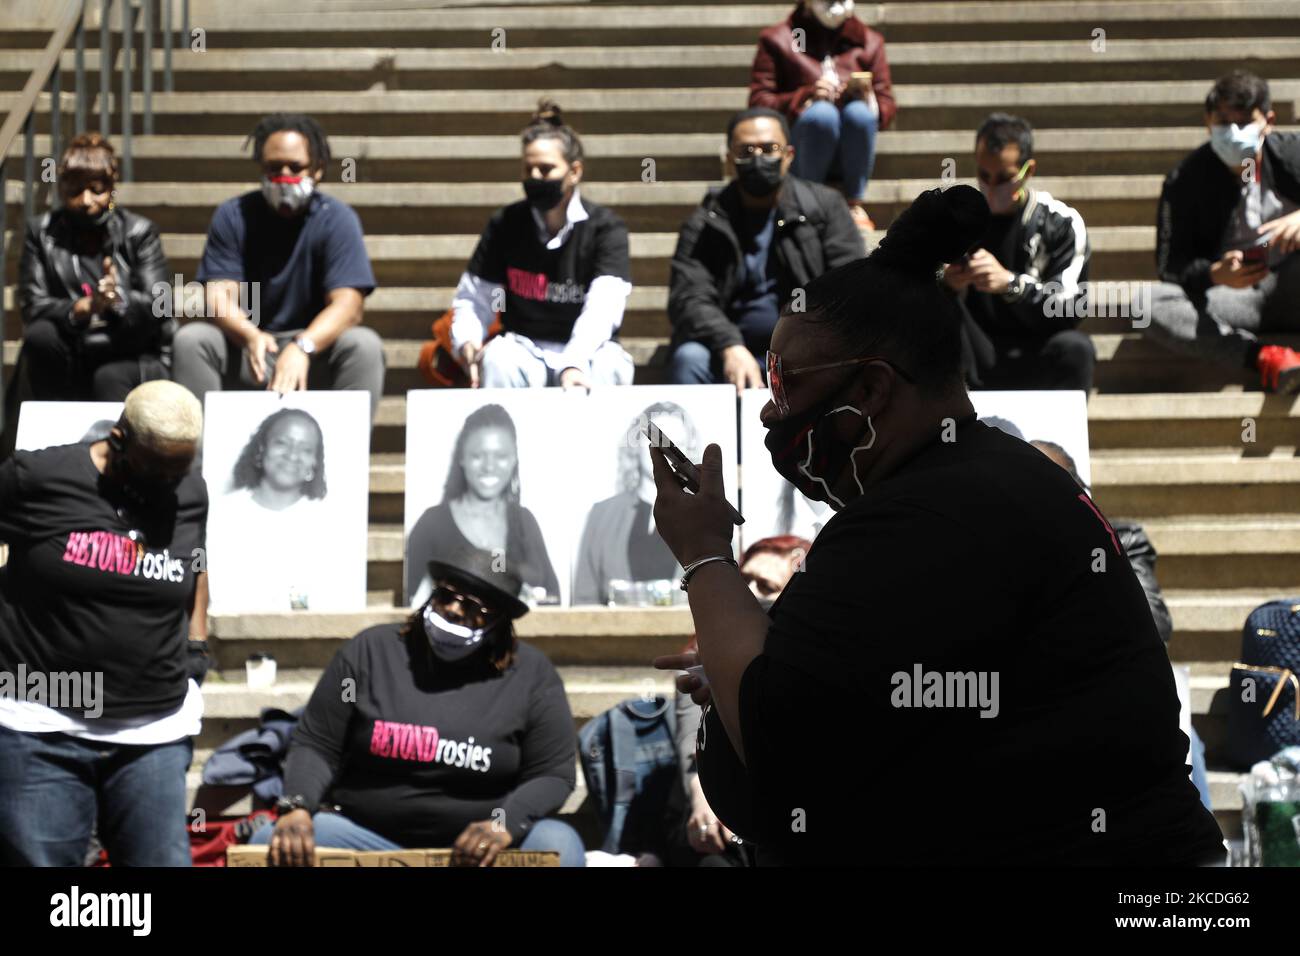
x,y
1142,557
48,284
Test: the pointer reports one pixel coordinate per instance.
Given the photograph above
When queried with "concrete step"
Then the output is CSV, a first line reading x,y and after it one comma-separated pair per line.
x,y
607,110
694,65
1207,628
449,210
902,154
580,24
441,259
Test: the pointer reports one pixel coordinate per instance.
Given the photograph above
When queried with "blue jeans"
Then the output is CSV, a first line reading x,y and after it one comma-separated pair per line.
x,y
336,830
53,789
693,364
824,133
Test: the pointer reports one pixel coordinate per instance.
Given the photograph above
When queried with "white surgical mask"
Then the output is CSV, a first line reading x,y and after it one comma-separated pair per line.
x,y
450,642
831,14
288,192
1235,144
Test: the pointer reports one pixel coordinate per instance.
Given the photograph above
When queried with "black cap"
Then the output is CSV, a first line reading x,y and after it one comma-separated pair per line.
x,y
498,589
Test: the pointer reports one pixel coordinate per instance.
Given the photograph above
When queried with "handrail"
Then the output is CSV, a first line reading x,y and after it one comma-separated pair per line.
x,y
48,71
40,74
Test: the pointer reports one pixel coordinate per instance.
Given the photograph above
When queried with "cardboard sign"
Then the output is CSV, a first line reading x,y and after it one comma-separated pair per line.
x,y
328,856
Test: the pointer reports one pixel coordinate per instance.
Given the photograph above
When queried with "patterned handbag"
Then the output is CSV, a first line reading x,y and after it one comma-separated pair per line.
x,y
1264,706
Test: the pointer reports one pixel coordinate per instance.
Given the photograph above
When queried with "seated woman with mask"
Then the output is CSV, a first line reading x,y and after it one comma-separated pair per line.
x,y
949,680
86,290
554,268
444,731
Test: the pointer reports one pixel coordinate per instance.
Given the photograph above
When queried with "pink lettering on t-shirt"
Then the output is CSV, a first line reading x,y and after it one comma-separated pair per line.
x,y
526,285
107,550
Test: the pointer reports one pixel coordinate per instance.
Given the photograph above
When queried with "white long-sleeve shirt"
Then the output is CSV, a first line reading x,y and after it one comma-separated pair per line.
x,y
477,300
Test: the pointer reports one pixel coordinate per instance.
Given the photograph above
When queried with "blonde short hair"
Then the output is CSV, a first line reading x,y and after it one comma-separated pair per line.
x,y
163,413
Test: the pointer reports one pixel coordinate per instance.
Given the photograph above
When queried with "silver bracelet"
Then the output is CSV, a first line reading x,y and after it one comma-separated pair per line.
x,y
694,566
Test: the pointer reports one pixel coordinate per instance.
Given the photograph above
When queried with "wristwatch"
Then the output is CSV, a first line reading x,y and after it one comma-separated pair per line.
x,y
289,804
307,345
1016,287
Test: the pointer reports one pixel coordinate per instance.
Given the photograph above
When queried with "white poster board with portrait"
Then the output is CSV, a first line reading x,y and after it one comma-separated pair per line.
x,y
567,468
492,470
47,424
1056,416
772,506
614,482
288,485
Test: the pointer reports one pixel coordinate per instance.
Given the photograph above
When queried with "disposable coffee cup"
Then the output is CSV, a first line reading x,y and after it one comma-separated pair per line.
x,y
261,670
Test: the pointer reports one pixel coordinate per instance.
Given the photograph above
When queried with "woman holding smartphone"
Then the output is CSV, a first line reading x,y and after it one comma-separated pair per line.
x,y
831,80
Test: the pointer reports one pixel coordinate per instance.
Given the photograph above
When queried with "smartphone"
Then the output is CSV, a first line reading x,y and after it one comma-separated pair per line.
x,y
687,475
1257,253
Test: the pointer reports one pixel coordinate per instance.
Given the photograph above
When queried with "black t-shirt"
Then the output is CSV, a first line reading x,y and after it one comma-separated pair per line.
x,y
92,584
980,556
546,288
416,750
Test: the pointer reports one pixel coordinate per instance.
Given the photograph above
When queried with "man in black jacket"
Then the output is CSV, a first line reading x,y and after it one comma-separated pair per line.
x,y
1229,223
1022,290
746,250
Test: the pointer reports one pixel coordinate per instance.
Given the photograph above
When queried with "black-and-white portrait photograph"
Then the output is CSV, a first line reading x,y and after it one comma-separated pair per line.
x,y
46,424
288,483
621,560
489,471
1055,422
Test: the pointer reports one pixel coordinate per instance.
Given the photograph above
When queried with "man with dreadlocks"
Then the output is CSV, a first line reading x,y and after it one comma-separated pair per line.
x,y
286,274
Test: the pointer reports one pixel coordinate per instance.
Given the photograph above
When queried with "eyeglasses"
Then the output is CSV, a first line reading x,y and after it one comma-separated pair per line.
x,y
749,150
471,606
776,375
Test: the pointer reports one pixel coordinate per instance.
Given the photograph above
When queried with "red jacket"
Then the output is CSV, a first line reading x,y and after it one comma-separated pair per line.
x,y
783,78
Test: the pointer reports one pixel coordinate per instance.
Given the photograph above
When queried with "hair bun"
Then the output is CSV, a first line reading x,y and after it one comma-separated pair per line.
x,y
548,111
940,226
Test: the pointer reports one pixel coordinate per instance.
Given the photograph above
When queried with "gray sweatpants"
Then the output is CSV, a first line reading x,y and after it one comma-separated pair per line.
x,y
204,360
1222,324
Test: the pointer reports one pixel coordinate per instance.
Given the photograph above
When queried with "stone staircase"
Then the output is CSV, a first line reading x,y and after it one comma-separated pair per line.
x,y
424,115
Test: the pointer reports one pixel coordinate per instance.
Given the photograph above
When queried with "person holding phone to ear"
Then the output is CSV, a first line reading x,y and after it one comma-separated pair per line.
x,y
86,290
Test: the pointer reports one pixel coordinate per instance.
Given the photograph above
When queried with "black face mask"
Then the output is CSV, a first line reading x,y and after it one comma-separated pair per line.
x,y
759,175
144,492
84,220
806,452
544,194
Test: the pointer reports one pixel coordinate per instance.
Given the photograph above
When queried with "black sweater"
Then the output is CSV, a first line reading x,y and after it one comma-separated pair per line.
x,y
416,750
978,557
